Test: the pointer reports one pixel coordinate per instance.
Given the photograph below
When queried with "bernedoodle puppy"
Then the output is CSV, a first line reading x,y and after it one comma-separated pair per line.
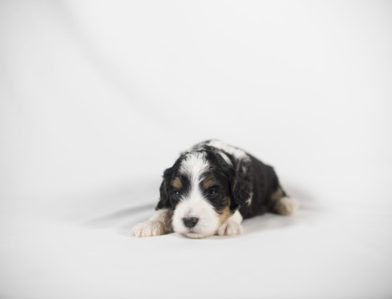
x,y
210,189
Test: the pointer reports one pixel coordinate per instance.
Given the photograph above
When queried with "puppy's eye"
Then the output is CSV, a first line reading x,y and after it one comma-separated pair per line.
x,y
212,192
176,192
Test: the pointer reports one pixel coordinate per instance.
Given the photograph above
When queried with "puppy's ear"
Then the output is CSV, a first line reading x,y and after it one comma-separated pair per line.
x,y
164,200
241,187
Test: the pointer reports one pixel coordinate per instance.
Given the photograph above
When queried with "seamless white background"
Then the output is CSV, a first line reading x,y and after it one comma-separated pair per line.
x,y
97,98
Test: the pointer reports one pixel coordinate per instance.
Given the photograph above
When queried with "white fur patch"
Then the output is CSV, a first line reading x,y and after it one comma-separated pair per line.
x,y
236,152
249,200
158,224
194,165
232,226
286,205
225,157
148,229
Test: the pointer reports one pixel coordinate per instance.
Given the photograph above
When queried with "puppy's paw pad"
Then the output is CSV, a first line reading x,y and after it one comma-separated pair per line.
x,y
148,229
230,228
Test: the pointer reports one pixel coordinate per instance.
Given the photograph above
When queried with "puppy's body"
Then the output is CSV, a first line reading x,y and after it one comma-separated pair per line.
x,y
210,189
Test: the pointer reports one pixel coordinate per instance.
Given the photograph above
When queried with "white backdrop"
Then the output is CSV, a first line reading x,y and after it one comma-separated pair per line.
x,y
98,97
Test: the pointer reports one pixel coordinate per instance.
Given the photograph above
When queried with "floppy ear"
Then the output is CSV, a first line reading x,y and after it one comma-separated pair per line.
x,y
241,187
164,200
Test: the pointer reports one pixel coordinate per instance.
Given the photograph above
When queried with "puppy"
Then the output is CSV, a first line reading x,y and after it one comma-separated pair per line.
x,y
210,189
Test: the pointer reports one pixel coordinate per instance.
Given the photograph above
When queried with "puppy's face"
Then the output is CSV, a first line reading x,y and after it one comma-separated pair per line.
x,y
198,190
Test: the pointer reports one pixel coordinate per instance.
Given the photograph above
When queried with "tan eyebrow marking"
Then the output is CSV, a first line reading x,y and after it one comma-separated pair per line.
x,y
209,182
176,183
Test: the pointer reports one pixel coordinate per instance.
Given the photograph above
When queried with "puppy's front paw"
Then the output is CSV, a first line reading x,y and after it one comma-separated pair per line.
x,y
148,229
230,228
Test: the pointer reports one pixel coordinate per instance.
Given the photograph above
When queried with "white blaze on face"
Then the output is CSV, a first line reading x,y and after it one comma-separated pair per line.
x,y
194,204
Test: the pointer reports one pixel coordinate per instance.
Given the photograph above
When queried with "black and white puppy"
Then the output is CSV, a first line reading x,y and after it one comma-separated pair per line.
x,y
210,189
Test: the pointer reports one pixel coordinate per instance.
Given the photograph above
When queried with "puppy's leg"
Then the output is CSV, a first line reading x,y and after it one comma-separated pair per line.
x,y
232,226
158,224
282,204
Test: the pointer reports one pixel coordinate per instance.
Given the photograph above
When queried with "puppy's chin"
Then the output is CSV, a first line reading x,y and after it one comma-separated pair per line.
x,y
194,235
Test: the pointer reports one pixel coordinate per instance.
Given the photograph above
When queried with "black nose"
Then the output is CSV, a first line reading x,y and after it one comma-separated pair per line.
x,y
190,221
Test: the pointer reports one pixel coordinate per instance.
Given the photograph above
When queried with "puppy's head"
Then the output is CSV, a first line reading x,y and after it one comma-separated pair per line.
x,y
203,189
